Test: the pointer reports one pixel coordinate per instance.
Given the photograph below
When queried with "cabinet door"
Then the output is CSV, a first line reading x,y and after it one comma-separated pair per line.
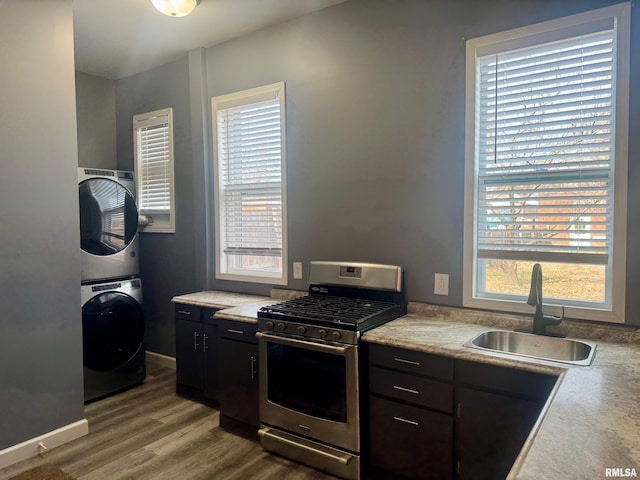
x,y
411,442
238,377
490,431
189,353
210,361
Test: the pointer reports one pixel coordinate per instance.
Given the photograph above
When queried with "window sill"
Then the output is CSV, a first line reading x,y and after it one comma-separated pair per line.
x,y
515,307
251,278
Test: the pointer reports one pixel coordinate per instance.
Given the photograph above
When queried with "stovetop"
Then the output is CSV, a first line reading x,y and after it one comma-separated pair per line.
x,y
344,300
334,309
327,317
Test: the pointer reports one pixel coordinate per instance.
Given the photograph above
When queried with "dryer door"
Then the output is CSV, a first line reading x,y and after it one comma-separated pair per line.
x,y
108,216
112,330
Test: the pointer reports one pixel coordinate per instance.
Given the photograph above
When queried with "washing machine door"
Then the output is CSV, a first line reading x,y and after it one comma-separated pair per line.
x,y
108,216
112,330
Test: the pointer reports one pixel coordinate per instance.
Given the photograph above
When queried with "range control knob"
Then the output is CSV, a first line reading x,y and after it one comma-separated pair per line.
x,y
280,327
336,335
269,324
301,330
323,333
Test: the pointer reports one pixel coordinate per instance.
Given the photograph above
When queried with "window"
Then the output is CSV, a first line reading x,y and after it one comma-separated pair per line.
x,y
546,164
153,143
249,162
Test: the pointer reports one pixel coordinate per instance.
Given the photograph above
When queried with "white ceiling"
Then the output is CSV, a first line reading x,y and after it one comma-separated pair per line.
x,y
118,38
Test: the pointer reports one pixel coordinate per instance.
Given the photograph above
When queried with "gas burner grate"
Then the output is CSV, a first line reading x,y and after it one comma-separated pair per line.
x,y
341,309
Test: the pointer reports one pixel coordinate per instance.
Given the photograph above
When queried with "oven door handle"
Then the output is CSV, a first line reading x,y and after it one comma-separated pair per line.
x,y
319,347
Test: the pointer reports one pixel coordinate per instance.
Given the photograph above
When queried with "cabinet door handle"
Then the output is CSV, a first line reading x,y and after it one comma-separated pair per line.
x,y
195,340
184,312
404,420
458,410
409,362
254,372
204,342
405,389
231,330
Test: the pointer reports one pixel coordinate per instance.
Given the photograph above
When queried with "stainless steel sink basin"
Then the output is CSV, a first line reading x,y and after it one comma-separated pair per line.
x,y
576,352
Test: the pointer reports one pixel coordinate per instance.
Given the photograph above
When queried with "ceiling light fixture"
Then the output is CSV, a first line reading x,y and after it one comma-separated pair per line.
x,y
175,8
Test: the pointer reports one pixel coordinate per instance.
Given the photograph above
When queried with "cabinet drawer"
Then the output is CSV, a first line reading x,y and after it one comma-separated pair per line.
x,y
187,312
411,361
241,331
207,315
410,388
410,441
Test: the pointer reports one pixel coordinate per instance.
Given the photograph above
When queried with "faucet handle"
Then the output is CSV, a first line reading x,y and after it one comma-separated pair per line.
x,y
561,317
552,321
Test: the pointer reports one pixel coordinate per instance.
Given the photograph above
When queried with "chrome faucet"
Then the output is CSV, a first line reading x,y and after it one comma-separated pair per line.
x,y
540,320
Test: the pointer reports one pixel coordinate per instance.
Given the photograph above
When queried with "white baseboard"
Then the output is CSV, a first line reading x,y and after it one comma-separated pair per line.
x,y
162,360
37,445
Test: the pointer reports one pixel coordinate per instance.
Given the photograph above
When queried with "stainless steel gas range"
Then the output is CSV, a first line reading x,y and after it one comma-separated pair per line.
x,y
310,387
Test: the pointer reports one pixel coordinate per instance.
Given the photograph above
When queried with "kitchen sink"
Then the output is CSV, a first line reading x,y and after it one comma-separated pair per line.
x,y
566,350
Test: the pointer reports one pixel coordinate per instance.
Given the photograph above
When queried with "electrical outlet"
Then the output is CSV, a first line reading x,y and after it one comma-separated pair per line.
x,y
297,270
441,284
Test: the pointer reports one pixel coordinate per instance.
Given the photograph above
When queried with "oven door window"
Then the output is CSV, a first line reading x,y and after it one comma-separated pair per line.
x,y
307,381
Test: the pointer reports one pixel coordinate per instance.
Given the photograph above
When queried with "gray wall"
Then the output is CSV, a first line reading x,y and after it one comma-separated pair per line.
x,y
40,320
96,119
375,128
166,260
375,137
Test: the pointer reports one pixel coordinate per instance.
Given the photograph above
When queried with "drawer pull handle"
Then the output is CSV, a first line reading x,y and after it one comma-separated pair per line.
x,y
254,371
184,312
231,330
409,362
405,389
404,420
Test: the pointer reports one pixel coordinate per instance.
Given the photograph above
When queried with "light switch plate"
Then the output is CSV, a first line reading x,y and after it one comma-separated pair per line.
x,y
297,270
441,284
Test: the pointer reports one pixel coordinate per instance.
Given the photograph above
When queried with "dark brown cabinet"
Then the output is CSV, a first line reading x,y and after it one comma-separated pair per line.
x,y
433,417
410,414
238,376
210,354
196,351
496,408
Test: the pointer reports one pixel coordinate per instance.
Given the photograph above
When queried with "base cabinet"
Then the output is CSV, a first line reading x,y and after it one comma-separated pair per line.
x,y
433,417
196,351
496,408
189,354
410,417
238,376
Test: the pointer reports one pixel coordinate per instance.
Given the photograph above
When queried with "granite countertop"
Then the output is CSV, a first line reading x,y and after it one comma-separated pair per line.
x,y
592,418
246,312
218,299
234,306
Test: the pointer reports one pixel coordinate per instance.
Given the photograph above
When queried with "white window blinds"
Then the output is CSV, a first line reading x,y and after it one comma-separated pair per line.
x,y
153,139
544,143
249,158
154,165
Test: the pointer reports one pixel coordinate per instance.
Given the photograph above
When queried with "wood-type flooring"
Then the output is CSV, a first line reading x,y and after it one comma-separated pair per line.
x,y
150,433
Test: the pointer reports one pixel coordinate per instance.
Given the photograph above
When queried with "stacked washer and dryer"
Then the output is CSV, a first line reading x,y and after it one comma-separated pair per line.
x,y
111,291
